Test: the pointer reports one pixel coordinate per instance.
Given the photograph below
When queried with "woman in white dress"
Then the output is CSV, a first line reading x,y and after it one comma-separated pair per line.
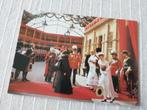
x,y
92,71
105,79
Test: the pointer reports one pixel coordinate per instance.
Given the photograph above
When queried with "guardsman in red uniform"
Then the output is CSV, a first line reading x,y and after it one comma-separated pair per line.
x,y
115,66
46,64
74,62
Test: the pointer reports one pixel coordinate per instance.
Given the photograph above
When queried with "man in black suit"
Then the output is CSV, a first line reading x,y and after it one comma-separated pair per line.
x,y
128,68
86,64
97,65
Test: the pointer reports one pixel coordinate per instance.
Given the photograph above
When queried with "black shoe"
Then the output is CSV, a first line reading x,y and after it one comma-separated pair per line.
x,y
92,88
74,85
49,81
112,100
45,79
27,79
24,79
105,100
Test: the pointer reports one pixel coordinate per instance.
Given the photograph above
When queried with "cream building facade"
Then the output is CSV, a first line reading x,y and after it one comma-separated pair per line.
x,y
101,34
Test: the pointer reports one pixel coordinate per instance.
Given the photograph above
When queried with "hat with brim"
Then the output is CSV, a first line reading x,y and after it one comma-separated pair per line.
x,y
125,52
113,52
100,54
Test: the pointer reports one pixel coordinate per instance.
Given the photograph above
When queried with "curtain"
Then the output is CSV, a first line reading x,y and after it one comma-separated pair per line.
x,y
122,35
123,38
128,40
133,29
123,45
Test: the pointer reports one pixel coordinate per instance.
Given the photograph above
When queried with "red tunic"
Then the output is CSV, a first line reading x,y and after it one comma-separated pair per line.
x,y
74,60
114,66
46,65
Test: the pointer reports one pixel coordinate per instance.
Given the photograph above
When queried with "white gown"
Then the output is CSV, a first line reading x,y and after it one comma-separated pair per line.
x,y
91,79
105,81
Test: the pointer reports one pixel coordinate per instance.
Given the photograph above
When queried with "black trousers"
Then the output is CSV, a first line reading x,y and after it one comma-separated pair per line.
x,y
130,81
115,81
84,71
74,75
87,70
24,75
98,72
17,72
49,76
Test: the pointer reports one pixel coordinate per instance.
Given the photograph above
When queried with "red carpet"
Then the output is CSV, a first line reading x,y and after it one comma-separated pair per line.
x,y
79,93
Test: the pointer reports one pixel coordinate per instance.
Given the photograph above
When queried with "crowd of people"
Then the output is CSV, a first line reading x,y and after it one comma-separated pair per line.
x,y
100,72
106,74
61,68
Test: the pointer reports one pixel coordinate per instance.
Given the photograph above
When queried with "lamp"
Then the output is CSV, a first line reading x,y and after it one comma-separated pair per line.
x,y
72,27
67,33
45,23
